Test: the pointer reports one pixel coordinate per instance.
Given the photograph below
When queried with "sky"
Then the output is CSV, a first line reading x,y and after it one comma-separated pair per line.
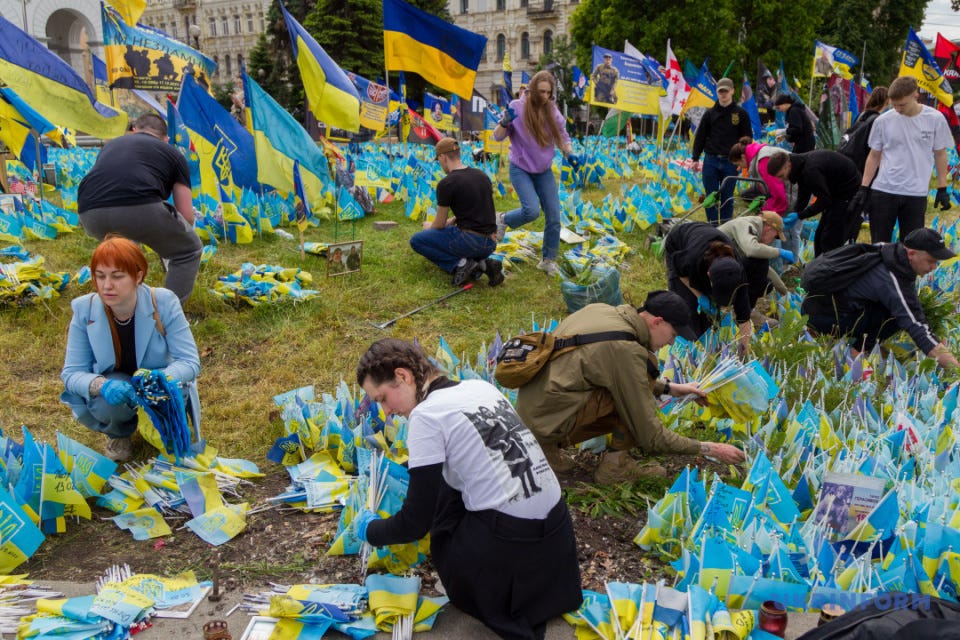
x,y
940,18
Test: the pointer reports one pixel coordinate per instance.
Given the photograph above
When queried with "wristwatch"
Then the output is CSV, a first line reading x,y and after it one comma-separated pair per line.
x,y
666,387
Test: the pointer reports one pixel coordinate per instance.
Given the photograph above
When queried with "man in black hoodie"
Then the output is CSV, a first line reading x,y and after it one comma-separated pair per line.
x,y
883,300
799,131
833,178
721,127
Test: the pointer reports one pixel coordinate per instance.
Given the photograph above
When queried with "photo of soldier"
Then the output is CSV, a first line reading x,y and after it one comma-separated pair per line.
x,y
605,77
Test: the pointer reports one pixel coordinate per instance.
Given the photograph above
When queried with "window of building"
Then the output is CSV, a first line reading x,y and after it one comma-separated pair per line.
x,y
483,54
216,60
525,46
213,28
227,68
173,30
239,62
237,25
262,24
524,4
225,23
162,27
464,6
501,5
547,42
501,47
250,22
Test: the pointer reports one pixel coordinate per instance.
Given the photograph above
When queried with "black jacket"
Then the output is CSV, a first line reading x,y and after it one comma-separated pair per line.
x,y
828,175
683,250
721,128
800,129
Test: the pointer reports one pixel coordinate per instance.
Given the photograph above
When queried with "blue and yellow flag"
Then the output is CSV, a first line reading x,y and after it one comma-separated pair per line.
x,y
225,148
444,54
331,95
436,111
21,537
828,60
15,134
52,87
918,63
279,141
101,81
140,57
237,228
374,102
703,91
179,137
304,214
129,10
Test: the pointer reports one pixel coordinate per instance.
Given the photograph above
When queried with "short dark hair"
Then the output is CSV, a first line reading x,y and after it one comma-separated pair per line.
x,y
777,162
151,122
784,98
902,87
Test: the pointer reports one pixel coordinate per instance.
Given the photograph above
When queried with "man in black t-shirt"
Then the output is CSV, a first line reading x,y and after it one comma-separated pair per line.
x,y
461,245
126,192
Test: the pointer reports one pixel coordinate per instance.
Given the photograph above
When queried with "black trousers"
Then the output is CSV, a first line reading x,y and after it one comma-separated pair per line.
x,y
512,574
835,227
864,327
886,209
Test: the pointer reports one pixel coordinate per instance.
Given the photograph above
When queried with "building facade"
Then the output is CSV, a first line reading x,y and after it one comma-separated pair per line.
x,y
225,30
524,29
67,27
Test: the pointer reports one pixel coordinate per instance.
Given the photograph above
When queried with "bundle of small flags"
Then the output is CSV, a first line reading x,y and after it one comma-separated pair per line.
x,y
25,280
264,284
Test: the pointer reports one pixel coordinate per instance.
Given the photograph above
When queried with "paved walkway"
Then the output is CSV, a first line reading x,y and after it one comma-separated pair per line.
x,y
451,623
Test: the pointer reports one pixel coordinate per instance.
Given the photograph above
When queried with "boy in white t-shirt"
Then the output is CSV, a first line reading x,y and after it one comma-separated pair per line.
x,y
905,145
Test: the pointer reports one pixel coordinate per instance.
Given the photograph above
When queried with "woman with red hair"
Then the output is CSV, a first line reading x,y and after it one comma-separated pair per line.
x,y
535,127
121,327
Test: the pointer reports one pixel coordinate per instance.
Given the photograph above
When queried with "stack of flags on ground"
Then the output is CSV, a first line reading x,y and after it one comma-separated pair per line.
x,y
25,280
264,284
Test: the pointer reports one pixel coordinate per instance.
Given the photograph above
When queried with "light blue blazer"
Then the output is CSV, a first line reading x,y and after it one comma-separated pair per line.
x,y
90,346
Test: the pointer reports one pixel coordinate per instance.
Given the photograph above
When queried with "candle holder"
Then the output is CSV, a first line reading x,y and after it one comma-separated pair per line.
x,y
773,618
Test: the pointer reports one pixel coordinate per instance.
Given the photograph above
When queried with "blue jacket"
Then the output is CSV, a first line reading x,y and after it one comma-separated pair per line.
x,y
90,345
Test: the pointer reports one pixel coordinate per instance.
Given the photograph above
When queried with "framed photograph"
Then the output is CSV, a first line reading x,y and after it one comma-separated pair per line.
x,y
8,202
344,257
260,628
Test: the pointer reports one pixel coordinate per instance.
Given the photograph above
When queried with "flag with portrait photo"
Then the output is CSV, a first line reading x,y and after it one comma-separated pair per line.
x,y
436,111
444,54
829,60
141,57
374,102
52,87
330,94
918,63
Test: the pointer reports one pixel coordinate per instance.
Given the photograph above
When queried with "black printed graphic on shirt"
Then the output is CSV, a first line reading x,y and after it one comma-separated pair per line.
x,y
507,440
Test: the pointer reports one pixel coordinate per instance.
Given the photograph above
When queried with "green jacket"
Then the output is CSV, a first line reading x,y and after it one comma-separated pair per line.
x,y
549,403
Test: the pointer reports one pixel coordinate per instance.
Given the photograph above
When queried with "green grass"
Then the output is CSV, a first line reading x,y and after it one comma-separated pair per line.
x,y
250,354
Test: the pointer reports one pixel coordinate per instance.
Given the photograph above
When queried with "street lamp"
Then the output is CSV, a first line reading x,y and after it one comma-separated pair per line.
x,y
194,32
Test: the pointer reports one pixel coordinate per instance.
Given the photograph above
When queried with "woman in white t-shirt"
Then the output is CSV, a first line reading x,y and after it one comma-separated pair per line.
x,y
500,534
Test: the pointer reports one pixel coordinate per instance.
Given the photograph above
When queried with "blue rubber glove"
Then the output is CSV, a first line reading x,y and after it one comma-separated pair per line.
x,y
362,521
705,305
790,219
507,117
788,256
574,161
117,392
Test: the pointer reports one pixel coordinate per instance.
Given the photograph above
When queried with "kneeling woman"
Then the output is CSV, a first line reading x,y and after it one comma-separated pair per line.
x,y
500,533
124,326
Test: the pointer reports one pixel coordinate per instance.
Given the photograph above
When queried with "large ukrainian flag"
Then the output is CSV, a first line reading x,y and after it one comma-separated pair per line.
x,y
331,96
444,54
52,87
279,141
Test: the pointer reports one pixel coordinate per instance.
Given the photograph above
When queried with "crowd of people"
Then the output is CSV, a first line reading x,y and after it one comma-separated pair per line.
x,y
483,473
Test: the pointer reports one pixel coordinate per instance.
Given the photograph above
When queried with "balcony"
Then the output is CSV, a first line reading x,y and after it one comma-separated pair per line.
x,y
184,5
537,9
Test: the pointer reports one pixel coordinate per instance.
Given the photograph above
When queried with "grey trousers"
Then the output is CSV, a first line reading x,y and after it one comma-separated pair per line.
x,y
161,228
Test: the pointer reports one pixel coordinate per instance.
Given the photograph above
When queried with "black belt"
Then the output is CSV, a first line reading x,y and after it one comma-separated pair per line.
x,y
477,233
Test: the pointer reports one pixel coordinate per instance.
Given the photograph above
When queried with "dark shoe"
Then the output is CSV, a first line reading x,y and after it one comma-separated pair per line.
x,y
465,271
494,271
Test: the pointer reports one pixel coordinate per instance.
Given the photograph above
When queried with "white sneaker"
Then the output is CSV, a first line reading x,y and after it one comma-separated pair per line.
x,y
549,266
501,228
119,449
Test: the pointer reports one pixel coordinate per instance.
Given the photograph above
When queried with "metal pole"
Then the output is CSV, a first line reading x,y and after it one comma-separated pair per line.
x,y
863,58
24,3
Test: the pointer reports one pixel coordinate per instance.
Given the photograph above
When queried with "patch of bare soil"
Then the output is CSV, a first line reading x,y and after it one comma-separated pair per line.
x,y
289,546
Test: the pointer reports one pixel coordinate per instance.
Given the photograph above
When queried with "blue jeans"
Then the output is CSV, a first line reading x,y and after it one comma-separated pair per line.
x,y
715,169
444,247
537,190
113,421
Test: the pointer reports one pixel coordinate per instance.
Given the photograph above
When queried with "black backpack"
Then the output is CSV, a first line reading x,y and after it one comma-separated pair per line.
x,y
834,271
854,142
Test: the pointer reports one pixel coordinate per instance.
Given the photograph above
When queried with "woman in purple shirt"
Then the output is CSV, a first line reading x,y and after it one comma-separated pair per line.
x,y
535,127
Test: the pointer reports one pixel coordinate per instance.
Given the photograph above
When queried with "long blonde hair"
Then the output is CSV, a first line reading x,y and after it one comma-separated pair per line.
x,y
538,112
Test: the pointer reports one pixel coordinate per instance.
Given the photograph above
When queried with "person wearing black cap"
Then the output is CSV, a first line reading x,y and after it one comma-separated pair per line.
x,y
702,268
605,77
883,300
799,130
610,387
721,127
461,245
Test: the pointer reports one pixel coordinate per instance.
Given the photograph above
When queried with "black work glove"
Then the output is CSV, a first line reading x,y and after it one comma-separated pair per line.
x,y
860,201
942,200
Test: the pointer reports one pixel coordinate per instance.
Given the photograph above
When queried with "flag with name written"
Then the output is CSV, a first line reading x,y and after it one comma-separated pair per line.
x,y
918,62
